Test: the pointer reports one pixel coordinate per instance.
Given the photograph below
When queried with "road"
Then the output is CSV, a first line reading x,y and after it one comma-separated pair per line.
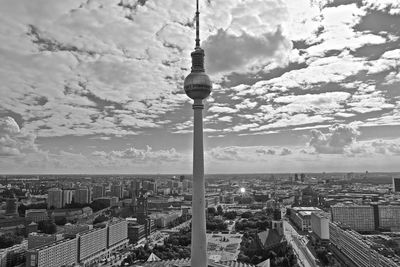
x,y
298,242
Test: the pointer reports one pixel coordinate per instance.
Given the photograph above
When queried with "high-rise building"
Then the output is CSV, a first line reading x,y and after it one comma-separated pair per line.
x,y
11,207
60,253
98,191
81,195
320,225
116,191
389,217
198,86
117,232
349,245
141,210
81,246
67,197
396,184
357,217
92,242
54,198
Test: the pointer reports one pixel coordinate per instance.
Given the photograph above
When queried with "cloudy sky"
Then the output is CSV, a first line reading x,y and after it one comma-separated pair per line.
x,y
299,86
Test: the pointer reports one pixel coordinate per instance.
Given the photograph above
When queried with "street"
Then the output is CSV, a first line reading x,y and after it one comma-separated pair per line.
x,y
305,258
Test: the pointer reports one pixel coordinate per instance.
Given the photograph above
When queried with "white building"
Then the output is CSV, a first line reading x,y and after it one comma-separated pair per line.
x,y
92,242
67,197
60,253
117,232
320,225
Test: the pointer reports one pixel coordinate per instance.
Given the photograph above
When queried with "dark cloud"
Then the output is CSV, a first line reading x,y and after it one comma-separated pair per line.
x,y
226,52
266,151
285,152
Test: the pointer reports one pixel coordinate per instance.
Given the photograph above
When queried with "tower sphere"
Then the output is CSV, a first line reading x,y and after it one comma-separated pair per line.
x,y
197,84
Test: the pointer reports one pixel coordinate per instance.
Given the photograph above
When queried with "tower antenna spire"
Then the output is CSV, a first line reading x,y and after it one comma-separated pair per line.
x,y
197,25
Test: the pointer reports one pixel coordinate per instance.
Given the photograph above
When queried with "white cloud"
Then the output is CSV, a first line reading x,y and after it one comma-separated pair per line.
x,y
13,141
142,155
335,141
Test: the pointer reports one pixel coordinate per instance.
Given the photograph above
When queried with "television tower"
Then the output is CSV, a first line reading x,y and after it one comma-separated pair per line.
x,y
198,86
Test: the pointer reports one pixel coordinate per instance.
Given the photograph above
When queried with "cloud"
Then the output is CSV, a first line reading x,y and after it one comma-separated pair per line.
x,y
13,141
227,53
335,141
386,147
218,109
225,153
285,152
266,151
142,155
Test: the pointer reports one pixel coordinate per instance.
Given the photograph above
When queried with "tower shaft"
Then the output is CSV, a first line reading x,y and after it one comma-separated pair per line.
x,y
199,241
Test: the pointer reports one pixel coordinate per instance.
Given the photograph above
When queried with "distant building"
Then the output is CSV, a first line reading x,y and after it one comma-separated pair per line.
x,y
301,217
11,207
136,232
37,240
67,197
108,201
357,217
396,184
98,191
81,195
54,198
142,215
116,191
163,219
36,215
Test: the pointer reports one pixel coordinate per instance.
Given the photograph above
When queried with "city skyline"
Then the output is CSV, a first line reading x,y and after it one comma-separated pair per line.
x,y
299,86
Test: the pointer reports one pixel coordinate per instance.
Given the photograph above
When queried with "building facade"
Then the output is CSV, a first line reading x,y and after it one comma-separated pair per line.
x,y
117,232
357,217
67,197
354,247
98,191
81,195
396,184
60,253
320,225
54,198
36,215
92,242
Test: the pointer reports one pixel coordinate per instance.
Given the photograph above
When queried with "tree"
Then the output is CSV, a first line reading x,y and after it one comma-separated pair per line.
x,y
60,221
9,239
247,214
100,219
211,211
230,215
98,205
220,211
